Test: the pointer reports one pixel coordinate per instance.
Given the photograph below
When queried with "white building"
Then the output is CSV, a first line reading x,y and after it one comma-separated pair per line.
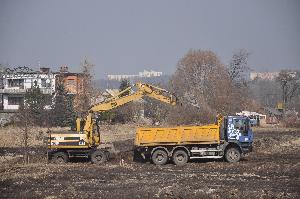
x,y
145,73
15,83
264,75
120,77
151,73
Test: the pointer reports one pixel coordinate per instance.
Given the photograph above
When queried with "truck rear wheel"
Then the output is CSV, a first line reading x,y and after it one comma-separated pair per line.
x,y
159,157
180,157
98,157
232,155
60,158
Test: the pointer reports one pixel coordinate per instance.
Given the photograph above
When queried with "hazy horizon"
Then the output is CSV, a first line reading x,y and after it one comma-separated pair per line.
x,y
127,37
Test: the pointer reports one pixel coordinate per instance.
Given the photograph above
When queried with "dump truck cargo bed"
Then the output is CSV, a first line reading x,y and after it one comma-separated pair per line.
x,y
209,134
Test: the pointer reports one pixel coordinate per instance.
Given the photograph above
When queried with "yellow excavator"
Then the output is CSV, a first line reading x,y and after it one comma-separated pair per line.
x,y
85,140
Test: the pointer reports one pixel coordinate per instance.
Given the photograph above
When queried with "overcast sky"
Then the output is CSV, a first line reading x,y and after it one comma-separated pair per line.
x,y
129,36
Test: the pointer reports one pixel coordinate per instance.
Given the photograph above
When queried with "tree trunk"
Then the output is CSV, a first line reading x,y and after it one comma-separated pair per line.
x,y
26,157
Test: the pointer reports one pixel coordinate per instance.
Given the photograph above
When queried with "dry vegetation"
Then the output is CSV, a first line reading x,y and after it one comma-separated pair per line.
x,y
11,137
271,171
205,87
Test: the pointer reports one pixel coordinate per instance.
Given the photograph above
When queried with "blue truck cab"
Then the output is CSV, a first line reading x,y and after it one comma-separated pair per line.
x,y
238,131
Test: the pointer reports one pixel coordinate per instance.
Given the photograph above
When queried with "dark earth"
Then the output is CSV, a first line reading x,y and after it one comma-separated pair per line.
x,y
270,171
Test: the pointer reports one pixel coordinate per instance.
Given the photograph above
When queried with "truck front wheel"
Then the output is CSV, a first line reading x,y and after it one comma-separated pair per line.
x,y
232,155
98,157
180,157
159,157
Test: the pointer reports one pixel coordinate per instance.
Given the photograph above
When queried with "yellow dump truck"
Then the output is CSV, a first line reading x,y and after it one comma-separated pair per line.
x,y
229,138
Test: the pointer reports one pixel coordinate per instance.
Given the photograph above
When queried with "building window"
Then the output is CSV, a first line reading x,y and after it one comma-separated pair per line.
x,y
15,100
16,83
46,83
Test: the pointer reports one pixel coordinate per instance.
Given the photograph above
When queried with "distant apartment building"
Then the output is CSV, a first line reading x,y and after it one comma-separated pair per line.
x,y
15,82
143,74
264,75
151,73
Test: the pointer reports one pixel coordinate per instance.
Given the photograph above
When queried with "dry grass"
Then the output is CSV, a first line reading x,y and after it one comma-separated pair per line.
x,y
119,132
12,136
274,129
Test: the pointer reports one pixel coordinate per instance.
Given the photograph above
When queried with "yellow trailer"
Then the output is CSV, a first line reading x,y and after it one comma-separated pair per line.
x,y
229,138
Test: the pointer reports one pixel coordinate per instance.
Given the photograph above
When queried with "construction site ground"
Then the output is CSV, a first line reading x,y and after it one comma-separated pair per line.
x,y
270,171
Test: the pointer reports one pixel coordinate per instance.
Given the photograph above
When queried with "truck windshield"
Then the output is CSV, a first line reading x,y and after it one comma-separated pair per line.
x,y
241,124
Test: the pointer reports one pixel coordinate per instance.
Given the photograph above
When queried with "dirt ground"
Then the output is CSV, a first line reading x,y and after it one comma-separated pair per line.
x,y
271,171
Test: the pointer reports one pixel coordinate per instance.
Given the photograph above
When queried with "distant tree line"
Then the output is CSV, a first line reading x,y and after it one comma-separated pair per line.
x,y
204,85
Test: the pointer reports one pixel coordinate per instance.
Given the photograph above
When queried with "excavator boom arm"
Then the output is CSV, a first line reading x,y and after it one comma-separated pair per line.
x,y
114,103
142,90
118,100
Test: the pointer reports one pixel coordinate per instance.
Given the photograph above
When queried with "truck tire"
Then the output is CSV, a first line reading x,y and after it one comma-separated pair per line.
x,y
232,155
98,157
60,158
159,157
180,157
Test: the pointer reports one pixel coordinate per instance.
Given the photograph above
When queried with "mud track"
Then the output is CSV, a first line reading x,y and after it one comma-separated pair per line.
x,y
271,171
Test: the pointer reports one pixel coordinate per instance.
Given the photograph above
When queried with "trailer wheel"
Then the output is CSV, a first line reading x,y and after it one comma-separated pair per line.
x,y
98,157
159,157
180,157
232,155
60,158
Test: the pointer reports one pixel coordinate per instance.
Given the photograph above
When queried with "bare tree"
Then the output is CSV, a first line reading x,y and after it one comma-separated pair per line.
x,y
238,67
24,121
85,93
203,85
265,92
290,85
238,71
